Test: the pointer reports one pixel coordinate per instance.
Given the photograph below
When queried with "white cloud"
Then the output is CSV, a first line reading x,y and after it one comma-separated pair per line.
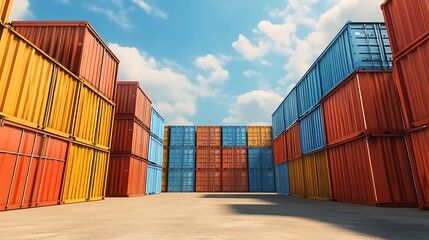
x,y
20,10
120,17
266,63
251,73
215,66
248,50
253,107
149,9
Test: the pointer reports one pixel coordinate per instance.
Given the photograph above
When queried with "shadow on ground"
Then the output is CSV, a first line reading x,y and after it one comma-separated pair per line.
x,y
387,223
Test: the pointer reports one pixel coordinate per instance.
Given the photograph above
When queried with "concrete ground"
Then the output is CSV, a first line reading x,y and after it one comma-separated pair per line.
x,y
213,216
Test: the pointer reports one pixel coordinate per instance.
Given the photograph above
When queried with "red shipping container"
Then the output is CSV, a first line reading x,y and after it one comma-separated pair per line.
x,y
372,171
131,100
279,149
208,158
77,46
209,136
292,141
412,80
406,22
208,180
130,137
235,180
32,166
234,158
418,140
127,176
366,102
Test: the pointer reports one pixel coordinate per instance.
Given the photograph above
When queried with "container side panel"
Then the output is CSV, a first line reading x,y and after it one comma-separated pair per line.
x,y
311,132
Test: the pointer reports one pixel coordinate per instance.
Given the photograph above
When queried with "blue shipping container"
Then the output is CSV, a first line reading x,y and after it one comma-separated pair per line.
x,y
262,180
358,45
290,107
278,121
181,180
260,158
155,150
282,179
153,180
157,124
181,158
182,135
311,131
309,90
234,136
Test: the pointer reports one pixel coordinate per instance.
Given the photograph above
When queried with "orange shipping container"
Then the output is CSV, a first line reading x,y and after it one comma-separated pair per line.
x,y
166,136
279,149
208,158
209,136
234,158
366,102
292,141
129,137
296,178
164,183
235,180
208,180
77,46
259,136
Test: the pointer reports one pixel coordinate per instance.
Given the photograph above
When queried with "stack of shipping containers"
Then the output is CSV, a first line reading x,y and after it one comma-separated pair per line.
x,y
156,144
165,159
130,143
260,159
57,114
181,159
407,23
234,159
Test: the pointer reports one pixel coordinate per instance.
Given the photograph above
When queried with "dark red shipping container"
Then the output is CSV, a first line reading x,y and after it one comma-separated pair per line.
x,y
32,166
127,176
412,80
366,102
208,180
406,22
279,149
372,171
209,136
292,141
234,158
418,142
77,46
235,180
208,158
131,100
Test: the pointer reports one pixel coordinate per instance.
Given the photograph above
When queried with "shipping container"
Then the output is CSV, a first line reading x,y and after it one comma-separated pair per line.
x,y
417,141
182,136
85,178
105,123
234,158
208,158
292,142
132,100
260,158
155,150
235,180
153,180
32,166
165,158
278,121
406,22
208,180
312,135
181,158
296,178
358,45
157,124
290,109
127,176
234,136
6,7
372,171
164,180
366,102
316,176
262,180
77,46
166,136
309,90
181,180
279,149
411,78
85,127
209,136
259,136
282,179
130,137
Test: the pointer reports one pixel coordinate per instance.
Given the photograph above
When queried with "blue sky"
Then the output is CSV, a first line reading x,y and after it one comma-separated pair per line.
x,y
211,62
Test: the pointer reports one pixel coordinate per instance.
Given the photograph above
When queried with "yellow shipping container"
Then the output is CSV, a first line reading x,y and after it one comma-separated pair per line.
x,y
166,136
105,124
86,118
164,180
99,176
323,176
296,178
5,8
259,136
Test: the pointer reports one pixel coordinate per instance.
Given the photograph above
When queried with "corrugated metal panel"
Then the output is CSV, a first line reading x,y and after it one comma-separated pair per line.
x,y
406,21
311,131
279,149
153,181
99,176
6,7
157,124
282,179
164,180
155,150
181,158
296,178
165,158
86,118
372,171
181,180
166,136
235,180
32,167
129,137
316,176
234,158
208,158
208,180
182,136
127,176
78,47
234,136
411,77
260,158
419,152
209,136
262,180
357,46
278,121
309,90
132,100
105,124
290,106
292,142
259,136
365,102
